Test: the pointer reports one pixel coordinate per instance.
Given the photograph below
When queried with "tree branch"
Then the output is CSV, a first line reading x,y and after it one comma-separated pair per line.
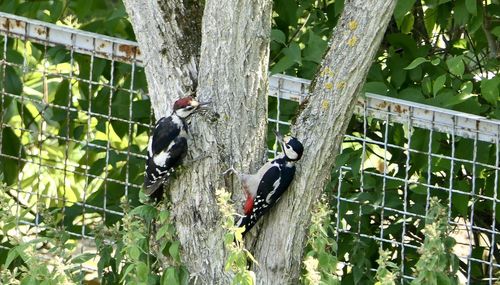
x,y
321,126
233,49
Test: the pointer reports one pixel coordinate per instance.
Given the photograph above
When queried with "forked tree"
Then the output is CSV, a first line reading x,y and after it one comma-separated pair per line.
x,y
221,49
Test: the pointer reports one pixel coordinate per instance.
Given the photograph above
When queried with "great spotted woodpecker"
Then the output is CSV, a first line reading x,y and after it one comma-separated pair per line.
x,y
167,146
264,188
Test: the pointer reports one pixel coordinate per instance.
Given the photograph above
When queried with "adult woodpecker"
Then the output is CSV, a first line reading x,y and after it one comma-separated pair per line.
x,y
264,188
167,146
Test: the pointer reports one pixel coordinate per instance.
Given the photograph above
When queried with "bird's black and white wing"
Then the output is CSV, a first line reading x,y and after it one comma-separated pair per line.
x,y
272,185
166,149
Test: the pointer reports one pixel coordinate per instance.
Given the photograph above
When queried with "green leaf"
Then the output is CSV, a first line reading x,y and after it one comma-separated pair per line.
x,y
170,277
407,24
397,73
460,14
466,88
496,31
471,6
339,7
430,20
376,87
126,272
287,12
476,22
456,65
30,280
134,252
82,258
13,253
442,279
416,74
401,9
448,98
315,48
105,258
427,86
438,84
436,61
416,62
11,145
173,250
142,271
291,56
161,232
278,36
489,89
61,99
147,212
13,83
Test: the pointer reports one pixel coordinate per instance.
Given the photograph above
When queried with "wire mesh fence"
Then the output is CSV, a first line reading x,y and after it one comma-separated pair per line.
x,y
74,123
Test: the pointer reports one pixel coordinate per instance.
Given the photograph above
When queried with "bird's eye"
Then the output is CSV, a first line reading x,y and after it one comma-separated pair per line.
x,y
189,108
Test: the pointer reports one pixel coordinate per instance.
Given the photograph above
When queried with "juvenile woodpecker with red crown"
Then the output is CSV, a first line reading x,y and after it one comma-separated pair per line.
x,y
264,188
167,146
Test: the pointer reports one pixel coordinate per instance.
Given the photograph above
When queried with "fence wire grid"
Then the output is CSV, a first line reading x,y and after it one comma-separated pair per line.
x,y
75,120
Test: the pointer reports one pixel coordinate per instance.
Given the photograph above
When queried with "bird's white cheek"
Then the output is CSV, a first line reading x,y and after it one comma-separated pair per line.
x,y
183,113
290,153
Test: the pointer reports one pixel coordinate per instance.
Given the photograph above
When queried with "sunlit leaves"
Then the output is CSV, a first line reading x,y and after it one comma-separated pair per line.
x,y
299,35
438,84
174,276
456,65
315,48
430,20
291,56
402,8
278,36
489,90
416,62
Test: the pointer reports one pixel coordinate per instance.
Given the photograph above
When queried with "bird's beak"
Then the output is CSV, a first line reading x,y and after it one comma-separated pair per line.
x,y
199,106
279,136
202,104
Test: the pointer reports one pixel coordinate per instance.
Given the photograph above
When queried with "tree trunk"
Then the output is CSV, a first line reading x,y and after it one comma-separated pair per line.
x,y
233,75
321,127
232,60
169,34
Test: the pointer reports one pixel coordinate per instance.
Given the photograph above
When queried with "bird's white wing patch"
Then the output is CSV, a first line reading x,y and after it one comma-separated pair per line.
x,y
161,158
276,184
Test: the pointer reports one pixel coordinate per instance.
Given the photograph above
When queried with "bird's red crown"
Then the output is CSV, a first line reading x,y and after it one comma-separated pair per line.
x,y
183,102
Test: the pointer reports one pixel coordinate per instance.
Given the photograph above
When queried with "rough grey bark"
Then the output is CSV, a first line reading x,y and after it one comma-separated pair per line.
x,y
233,56
169,34
233,75
321,127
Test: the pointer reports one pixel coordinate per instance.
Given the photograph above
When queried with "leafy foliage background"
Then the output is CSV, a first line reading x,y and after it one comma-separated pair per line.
x,y
438,52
